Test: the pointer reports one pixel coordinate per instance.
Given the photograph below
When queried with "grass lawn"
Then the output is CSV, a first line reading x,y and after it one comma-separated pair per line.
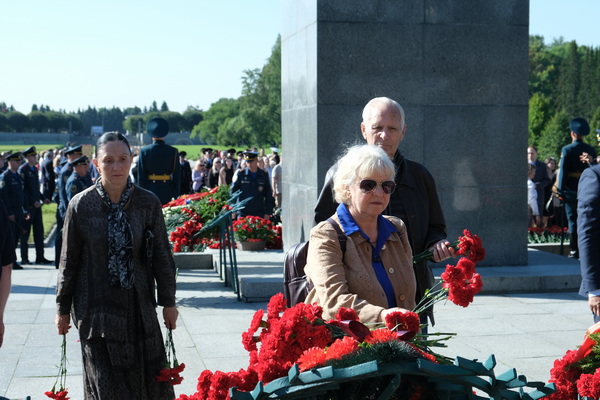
x,y
48,218
21,147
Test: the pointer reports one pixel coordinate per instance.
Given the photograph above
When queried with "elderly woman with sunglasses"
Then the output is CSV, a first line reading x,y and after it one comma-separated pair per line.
x,y
374,275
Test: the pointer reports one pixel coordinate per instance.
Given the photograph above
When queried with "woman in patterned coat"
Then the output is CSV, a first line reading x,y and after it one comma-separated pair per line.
x,y
115,253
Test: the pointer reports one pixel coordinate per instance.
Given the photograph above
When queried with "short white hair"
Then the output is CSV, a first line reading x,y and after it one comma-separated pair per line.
x,y
366,114
360,162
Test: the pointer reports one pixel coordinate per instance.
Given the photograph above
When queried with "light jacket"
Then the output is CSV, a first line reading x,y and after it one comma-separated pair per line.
x,y
351,281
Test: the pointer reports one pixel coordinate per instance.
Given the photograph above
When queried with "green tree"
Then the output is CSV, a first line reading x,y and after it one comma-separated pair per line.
x,y
17,121
218,114
191,118
3,123
57,121
261,100
134,124
73,122
539,114
555,136
174,119
568,82
164,107
38,121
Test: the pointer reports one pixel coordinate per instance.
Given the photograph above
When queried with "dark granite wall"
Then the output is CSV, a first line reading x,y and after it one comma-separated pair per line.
x,y
459,68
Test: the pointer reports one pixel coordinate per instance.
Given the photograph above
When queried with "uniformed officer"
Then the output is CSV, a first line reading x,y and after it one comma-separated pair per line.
x,y
78,181
63,176
33,203
571,166
254,183
158,166
13,196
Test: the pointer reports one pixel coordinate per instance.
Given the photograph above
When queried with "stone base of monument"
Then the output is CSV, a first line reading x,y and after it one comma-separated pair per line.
x,y
261,274
193,260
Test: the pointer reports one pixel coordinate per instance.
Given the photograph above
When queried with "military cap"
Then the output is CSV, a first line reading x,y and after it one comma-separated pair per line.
x,y
74,150
231,151
250,155
157,127
83,160
182,154
207,150
14,156
579,126
6,153
30,151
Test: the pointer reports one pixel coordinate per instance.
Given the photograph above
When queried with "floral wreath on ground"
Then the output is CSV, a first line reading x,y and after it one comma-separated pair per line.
x,y
299,335
186,216
577,373
547,234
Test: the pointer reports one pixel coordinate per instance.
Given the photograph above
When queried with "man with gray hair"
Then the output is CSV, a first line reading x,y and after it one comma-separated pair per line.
x,y
415,199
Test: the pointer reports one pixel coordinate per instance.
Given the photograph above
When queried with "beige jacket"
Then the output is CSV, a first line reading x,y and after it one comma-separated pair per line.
x,y
351,282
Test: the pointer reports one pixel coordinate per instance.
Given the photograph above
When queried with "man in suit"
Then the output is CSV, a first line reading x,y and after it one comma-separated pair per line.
x,y
541,178
415,199
588,232
158,166
571,166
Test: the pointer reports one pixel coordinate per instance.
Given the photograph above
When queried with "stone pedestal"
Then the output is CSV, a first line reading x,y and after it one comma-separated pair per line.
x,y
460,71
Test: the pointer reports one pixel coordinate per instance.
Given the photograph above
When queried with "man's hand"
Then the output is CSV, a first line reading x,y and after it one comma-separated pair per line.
x,y
594,303
170,316
442,250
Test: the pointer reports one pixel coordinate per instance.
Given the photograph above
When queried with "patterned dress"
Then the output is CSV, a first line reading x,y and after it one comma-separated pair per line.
x,y
121,340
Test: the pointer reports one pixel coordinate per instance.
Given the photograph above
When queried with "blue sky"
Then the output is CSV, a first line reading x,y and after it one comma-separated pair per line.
x,y
70,54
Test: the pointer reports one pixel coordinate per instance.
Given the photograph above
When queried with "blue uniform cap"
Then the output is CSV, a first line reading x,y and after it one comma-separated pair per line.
x,y
83,160
74,150
157,127
30,151
579,126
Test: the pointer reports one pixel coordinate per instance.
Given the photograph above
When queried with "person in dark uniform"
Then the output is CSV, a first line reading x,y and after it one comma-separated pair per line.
x,y
79,179
571,166
12,194
158,166
186,174
47,175
33,205
253,183
7,258
66,170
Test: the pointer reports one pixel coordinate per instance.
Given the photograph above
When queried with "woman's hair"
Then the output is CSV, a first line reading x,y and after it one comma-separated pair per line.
x,y
360,162
547,160
198,164
111,137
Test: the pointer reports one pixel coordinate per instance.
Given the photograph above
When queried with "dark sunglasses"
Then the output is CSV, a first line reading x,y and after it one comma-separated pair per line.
x,y
369,185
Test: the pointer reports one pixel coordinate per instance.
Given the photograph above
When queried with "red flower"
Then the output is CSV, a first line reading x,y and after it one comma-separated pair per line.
x,y
62,395
346,314
311,358
381,336
341,347
462,282
471,247
589,385
403,321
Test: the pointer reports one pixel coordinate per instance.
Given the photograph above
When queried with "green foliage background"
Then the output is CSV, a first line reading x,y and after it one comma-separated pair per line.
x,y
564,83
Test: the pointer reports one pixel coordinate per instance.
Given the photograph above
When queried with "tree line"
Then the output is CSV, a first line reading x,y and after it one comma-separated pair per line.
x,y
253,119
564,83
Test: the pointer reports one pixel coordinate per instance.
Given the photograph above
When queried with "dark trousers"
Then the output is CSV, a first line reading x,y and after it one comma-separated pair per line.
x,y
571,211
58,238
35,222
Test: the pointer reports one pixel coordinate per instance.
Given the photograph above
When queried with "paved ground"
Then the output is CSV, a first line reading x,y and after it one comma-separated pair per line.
x,y
526,331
